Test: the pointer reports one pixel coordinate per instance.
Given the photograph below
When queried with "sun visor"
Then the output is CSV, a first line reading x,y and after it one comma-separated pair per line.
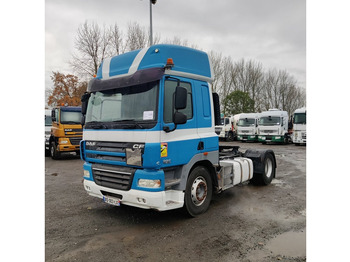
x,y
139,77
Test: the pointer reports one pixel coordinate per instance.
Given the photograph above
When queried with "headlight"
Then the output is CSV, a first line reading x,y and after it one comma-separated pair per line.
x,y
277,137
86,173
64,140
149,183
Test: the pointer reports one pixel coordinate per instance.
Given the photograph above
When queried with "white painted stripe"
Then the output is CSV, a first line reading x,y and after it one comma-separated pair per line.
x,y
189,75
135,64
105,67
148,136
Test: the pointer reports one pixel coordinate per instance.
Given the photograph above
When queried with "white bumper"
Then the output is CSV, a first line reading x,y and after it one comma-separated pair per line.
x,y
163,200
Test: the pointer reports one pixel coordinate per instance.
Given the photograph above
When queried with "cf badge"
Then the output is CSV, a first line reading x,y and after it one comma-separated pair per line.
x,y
163,149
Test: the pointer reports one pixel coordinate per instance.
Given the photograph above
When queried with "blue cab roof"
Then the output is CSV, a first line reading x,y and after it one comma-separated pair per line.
x,y
187,61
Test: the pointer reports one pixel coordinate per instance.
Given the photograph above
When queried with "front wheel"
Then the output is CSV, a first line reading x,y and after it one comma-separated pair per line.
x,y
55,154
198,192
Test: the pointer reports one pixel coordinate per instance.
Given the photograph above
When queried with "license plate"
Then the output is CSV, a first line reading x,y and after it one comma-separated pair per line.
x,y
111,200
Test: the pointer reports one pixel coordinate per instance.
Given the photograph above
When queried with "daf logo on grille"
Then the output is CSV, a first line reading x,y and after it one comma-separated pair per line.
x,y
138,146
90,143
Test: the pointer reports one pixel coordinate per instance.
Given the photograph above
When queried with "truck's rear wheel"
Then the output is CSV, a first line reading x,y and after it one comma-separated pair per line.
x,y
198,192
268,173
53,151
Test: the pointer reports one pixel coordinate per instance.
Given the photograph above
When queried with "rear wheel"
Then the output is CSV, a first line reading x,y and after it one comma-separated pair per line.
x,y
198,192
268,173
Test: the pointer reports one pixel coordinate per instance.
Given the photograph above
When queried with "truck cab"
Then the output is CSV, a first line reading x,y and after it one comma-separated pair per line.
x,y
247,127
66,131
225,129
273,126
299,126
149,136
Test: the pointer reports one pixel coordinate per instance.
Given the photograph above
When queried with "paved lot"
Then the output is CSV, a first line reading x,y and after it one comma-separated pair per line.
x,y
245,223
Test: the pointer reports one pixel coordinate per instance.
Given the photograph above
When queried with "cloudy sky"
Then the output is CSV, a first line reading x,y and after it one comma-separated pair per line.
x,y
272,32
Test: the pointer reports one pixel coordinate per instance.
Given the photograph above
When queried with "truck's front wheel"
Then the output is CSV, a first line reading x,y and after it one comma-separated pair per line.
x,y
198,192
53,151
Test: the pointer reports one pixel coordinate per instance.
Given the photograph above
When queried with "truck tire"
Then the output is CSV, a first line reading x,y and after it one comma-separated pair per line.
x,y
268,173
230,136
53,151
198,192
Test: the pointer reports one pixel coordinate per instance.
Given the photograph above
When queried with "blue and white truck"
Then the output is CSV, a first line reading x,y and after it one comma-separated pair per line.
x,y
149,136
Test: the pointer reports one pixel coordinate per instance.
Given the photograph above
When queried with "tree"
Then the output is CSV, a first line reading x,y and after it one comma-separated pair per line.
x,y
67,90
238,102
93,44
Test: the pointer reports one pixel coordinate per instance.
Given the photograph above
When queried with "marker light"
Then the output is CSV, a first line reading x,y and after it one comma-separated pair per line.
x,y
169,63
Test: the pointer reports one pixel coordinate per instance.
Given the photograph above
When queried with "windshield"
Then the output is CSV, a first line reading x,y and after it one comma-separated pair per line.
x,y
68,117
123,107
48,121
300,118
246,122
269,121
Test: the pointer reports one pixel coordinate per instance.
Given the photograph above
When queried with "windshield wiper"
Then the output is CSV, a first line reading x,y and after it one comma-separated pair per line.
x,y
70,122
132,125
97,125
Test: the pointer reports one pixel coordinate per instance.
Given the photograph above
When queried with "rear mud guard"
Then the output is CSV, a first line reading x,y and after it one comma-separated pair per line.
x,y
258,158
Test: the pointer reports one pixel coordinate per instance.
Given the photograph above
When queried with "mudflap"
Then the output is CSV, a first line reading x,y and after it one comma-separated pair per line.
x,y
258,158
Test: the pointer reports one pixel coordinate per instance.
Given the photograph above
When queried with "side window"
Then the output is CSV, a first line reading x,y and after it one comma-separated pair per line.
x,y
169,92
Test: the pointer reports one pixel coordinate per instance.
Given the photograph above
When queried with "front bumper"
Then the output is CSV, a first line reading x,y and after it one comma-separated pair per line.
x,y
162,200
247,137
271,138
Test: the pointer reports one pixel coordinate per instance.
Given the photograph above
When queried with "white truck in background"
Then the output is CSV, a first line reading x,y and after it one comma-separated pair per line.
x,y
299,126
48,125
273,126
247,127
228,128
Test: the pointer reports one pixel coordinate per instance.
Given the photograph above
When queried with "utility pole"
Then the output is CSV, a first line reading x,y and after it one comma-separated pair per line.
x,y
150,18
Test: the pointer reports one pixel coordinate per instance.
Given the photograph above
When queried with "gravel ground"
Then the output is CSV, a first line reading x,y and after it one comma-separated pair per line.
x,y
245,223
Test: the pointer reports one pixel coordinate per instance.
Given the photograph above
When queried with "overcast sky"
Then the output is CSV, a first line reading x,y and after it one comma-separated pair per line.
x,y
272,32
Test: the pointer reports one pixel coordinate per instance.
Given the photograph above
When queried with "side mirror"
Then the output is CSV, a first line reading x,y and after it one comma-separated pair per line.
x,y
53,115
180,118
180,98
216,103
84,102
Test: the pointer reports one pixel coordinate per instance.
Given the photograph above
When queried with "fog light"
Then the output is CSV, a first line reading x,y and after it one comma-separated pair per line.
x,y
149,183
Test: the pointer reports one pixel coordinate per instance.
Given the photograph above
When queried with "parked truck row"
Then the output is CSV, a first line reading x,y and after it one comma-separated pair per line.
x,y
148,132
272,126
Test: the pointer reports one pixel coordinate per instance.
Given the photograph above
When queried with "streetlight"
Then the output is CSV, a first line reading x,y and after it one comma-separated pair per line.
x,y
150,17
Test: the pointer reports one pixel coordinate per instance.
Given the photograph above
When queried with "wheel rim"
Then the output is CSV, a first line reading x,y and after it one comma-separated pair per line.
x,y
199,191
268,167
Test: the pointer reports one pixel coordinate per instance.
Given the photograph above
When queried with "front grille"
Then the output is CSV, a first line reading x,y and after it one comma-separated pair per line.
x,y
75,140
106,151
115,177
267,131
73,131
